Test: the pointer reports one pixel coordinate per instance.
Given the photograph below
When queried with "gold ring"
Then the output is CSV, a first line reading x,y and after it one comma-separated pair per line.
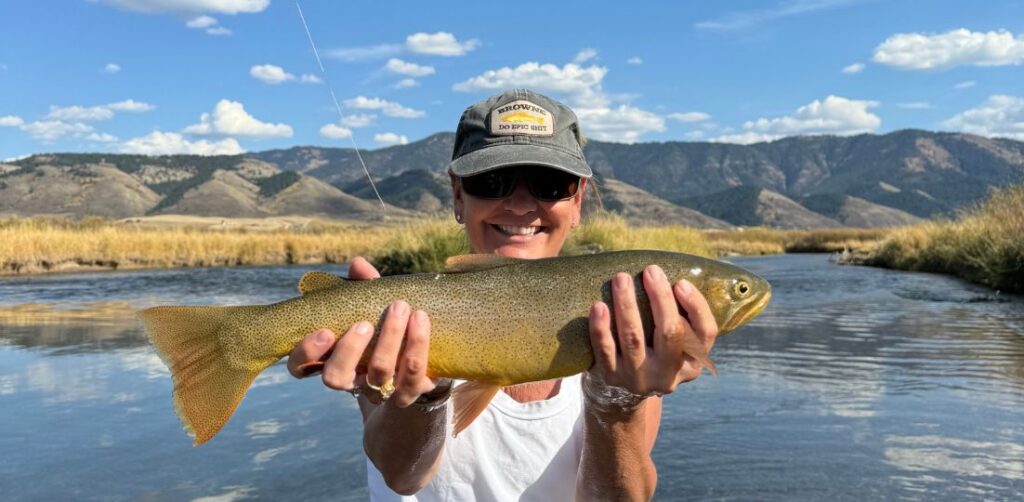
x,y
385,389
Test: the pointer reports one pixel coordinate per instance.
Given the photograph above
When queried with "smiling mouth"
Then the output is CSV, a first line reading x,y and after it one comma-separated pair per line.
x,y
517,230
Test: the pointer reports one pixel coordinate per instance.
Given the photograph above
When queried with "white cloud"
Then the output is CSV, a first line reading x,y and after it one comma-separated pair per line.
x,y
389,108
171,143
201,22
746,19
689,116
400,67
80,113
130,105
694,135
915,105
583,85
270,74
11,121
230,118
853,69
832,115
967,84
585,55
358,120
195,6
112,68
624,124
218,31
335,131
635,60
364,53
390,138
50,130
101,137
439,44
406,83
999,115
917,51
308,78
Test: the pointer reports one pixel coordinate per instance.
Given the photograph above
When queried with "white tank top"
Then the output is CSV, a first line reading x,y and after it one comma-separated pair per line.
x,y
512,451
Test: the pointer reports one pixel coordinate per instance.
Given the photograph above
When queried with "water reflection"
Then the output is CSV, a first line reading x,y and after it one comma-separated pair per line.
x,y
855,383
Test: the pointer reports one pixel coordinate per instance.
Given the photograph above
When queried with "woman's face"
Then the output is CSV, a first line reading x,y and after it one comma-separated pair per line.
x,y
518,226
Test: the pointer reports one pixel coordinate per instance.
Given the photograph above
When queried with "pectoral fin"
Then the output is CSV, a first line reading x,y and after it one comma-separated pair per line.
x,y
471,398
317,281
695,348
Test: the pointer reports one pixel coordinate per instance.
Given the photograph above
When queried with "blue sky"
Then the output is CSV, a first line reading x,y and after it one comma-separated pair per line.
x,y
224,76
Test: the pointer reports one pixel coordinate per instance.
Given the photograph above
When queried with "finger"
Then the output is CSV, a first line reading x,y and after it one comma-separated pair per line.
x,y
340,367
412,368
698,312
601,338
381,366
360,270
667,321
305,358
627,322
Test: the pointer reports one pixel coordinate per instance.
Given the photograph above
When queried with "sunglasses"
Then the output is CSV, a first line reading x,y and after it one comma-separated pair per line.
x,y
545,184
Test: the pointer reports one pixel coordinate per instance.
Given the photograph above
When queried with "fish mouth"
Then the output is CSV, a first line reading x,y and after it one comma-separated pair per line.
x,y
747,313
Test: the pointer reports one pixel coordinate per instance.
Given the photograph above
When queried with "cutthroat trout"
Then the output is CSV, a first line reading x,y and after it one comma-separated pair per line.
x,y
494,322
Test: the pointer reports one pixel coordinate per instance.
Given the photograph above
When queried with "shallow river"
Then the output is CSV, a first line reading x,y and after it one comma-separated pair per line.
x,y
855,384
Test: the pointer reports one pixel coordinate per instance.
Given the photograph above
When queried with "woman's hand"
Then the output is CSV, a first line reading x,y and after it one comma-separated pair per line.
x,y
659,369
339,359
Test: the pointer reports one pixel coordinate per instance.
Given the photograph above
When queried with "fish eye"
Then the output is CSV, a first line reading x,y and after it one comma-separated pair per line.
x,y
741,288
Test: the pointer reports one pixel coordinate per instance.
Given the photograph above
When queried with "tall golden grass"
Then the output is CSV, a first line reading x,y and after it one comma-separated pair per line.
x,y
762,241
985,244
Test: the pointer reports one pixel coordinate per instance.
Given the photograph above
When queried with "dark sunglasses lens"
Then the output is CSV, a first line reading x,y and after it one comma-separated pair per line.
x,y
552,184
490,185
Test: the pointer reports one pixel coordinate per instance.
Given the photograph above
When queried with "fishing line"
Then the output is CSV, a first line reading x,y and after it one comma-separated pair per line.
x,y
341,116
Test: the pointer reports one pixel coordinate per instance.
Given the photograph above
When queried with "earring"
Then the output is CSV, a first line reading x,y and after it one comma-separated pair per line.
x,y
458,217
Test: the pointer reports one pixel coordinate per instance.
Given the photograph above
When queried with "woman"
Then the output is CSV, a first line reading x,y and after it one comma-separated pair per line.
x,y
518,176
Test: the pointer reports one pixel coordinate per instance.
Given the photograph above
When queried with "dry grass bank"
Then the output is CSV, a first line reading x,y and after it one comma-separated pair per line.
x,y
984,245
762,241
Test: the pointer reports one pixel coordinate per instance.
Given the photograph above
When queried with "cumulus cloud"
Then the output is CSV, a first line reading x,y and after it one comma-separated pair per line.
x,y
364,53
270,74
51,130
853,69
230,118
218,31
585,55
201,22
915,105
967,84
130,105
832,115
335,131
191,6
308,78
918,51
111,68
635,60
11,121
400,67
1000,116
582,84
389,108
78,113
689,116
390,138
101,137
624,124
406,83
170,143
439,44
358,120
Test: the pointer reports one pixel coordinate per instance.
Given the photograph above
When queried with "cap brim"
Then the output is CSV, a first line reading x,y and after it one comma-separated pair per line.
x,y
497,156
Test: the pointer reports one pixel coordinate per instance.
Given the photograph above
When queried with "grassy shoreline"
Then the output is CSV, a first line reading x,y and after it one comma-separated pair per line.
x,y
48,245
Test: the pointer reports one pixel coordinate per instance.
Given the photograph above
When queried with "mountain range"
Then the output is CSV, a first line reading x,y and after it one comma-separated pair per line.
x,y
798,182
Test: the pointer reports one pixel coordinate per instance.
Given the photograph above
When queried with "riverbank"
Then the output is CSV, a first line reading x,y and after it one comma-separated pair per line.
x,y
984,245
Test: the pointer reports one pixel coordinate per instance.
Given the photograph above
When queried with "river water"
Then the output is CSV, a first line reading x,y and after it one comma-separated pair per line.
x,y
856,383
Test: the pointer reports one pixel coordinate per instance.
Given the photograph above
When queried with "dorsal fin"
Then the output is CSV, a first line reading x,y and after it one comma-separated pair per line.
x,y
317,281
474,262
471,398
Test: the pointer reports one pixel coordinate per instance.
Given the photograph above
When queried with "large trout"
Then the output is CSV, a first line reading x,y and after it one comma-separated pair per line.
x,y
494,322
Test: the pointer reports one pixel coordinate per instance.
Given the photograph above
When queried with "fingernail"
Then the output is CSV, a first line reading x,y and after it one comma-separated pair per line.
x,y
657,272
419,317
309,369
685,286
621,281
400,307
364,328
323,338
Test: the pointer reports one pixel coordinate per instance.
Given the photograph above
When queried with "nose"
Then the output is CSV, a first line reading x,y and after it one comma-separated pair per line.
x,y
521,201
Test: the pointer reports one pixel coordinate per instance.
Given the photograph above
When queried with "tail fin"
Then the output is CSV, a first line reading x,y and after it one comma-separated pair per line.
x,y
207,389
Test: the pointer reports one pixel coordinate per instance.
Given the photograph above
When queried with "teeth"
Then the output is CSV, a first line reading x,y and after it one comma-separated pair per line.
x,y
518,230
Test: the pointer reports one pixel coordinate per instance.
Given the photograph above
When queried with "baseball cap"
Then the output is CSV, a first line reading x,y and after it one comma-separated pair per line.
x,y
518,127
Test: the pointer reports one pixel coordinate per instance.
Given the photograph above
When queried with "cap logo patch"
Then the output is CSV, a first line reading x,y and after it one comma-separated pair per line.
x,y
522,117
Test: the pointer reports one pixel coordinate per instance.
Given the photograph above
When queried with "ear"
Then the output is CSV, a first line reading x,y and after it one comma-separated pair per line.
x,y
457,200
577,201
